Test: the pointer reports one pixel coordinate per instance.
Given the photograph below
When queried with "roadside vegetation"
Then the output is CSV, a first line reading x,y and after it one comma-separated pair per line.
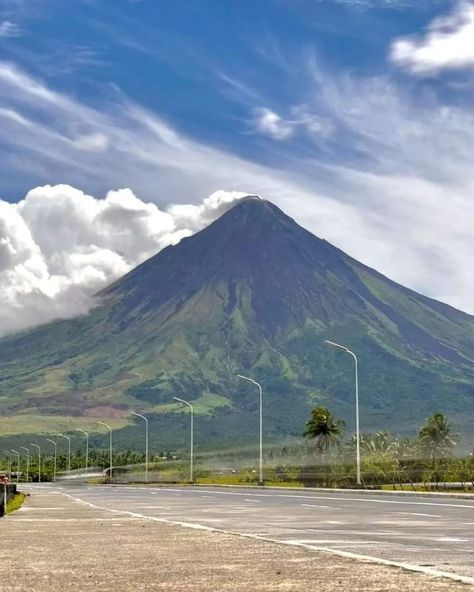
x,y
324,458
16,502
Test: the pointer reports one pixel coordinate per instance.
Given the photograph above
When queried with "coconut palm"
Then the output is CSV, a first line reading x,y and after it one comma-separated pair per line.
x,y
437,438
324,429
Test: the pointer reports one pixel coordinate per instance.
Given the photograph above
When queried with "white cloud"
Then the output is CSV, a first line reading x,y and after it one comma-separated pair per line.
x,y
269,123
447,45
9,29
92,142
59,246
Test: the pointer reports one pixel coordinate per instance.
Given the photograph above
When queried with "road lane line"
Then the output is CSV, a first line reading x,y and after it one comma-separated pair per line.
x,y
319,507
341,498
418,514
344,542
323,549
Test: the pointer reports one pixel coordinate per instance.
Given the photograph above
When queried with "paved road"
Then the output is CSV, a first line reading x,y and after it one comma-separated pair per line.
x,y
56,542
431,533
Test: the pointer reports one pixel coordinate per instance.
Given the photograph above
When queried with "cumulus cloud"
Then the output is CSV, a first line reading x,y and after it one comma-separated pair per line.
x,y
59,246
447,45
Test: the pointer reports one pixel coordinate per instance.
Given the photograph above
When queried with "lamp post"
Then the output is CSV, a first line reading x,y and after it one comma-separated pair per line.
x,y
68,451
27,462
55,457
351,353
191,467
17,464
146,442
110,447
261,421
39,460
9,464
87,446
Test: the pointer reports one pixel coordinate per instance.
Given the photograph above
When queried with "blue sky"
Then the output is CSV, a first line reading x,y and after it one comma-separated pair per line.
x,y
355,116
207,67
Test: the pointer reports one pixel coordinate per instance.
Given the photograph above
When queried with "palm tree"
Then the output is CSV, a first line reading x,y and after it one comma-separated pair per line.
x,y
437,438
324,428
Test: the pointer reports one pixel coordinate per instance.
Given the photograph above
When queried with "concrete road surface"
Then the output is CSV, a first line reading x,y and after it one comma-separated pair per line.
x,y
324,529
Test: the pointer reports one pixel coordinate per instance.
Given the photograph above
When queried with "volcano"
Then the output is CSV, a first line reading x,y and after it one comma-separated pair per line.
x,y
252,293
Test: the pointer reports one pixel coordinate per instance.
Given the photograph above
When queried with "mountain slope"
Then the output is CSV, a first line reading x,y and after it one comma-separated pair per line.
x,y
254,293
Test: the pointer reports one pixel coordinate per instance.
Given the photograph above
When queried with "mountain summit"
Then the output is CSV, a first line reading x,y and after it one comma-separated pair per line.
x,y
253,292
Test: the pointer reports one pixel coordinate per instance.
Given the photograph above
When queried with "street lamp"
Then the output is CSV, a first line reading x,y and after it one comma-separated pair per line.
x,y
261,422
146,442
191,468
68,451
55,457
110,447
9,463
27,462
87,446
17,464
39,460
351,353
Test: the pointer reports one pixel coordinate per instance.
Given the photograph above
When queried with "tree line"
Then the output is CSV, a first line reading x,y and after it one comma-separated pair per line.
x,y
427,459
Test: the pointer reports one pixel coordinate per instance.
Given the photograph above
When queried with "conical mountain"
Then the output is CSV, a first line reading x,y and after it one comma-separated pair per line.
x,y
253,292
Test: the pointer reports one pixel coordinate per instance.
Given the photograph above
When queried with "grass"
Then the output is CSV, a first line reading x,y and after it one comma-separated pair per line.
x,y
16,502
221,480
422,488
239,479
38,424
203,405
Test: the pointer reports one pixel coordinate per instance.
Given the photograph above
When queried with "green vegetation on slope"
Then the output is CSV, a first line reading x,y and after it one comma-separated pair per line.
x,y
256,294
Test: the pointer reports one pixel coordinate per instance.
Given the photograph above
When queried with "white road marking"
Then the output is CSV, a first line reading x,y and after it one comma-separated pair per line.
x,y
417,514
253,501
345,542
340,553
18,519
339,499
451,540
319,507
28,509
377,533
